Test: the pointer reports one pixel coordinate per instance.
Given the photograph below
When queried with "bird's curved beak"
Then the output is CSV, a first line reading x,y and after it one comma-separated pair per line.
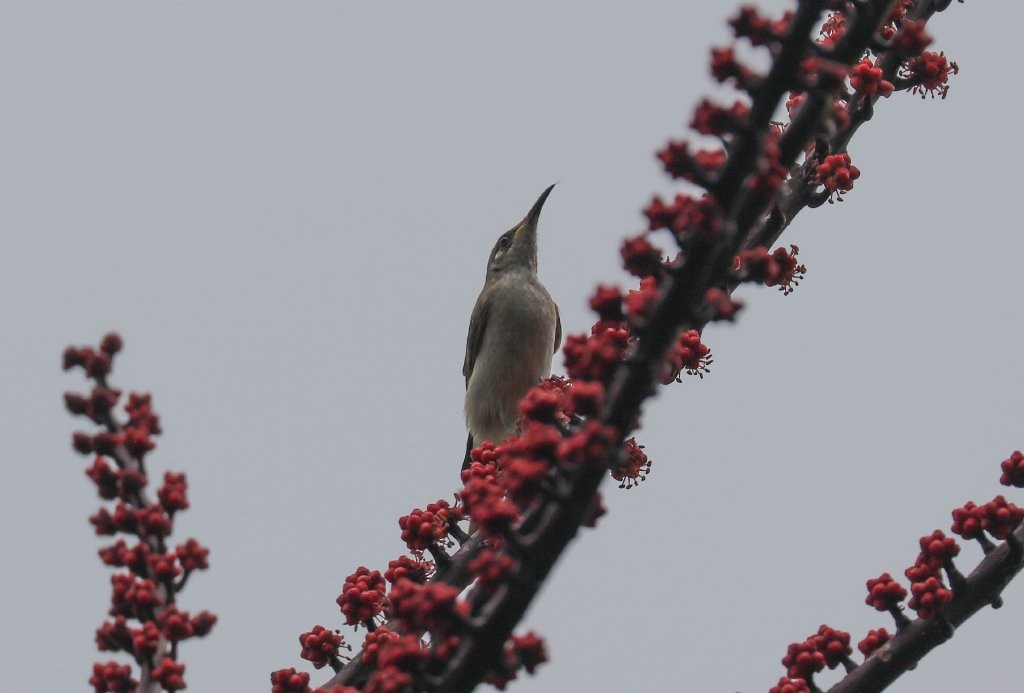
x,y
530,221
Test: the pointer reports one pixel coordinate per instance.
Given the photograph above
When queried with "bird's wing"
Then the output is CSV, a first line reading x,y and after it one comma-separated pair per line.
x,y
477,325
558,330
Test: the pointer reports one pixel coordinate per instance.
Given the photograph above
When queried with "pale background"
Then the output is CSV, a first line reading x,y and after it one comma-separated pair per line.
x,y
285,208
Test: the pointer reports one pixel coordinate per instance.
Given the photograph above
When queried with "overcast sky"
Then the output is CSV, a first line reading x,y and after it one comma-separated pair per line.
x,y
286,209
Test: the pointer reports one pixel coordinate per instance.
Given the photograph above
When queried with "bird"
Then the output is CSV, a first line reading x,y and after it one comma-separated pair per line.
x,y
514,330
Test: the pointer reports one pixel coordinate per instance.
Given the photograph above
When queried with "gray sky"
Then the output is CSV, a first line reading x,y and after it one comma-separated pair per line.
x,y
286,208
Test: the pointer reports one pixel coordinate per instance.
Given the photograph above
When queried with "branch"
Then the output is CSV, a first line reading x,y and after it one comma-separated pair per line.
x,y
147,592
530,495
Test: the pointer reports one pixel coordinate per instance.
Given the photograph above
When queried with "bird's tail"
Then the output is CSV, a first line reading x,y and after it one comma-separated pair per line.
x,y
469,446
465,465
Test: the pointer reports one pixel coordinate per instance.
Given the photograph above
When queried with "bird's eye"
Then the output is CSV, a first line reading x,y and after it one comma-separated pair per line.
x,y
504,242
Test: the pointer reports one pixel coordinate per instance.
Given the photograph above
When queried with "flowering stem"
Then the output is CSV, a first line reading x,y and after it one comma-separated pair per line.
x,y
919,637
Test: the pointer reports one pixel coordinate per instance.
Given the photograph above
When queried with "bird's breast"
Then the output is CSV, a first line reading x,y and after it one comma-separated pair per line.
x,y
515,352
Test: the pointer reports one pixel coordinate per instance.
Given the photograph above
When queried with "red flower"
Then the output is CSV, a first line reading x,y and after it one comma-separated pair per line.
x,y
589,445
640,258
637,466
170,674
1013,470
912,38
362,596
374,642
725,66
173,494
937,550
929,597
289,681
203,623
1000,517
175,625
528,650
112,677
873,640
164,567
422,528
759,30
867,78
405,568
105,478
803,659
432,606
640,302
192,555
788,685
585,398
929,73
320,645
491,568
607,300
967,521
145,641
884,592
111,343
712,119
689,354
837,174
595,357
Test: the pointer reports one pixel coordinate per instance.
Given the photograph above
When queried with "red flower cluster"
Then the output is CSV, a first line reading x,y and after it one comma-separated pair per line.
x,y
636,468
826,648
759,30
685,214
721,305
112,677
423,528
321,646
491,568
640,257
640,302
868,78
1013,470
362,596
433,607
170,674
699,167
589,445
832,29
689,354
777,268
884,593
929,595
405,568
521,652
397,659
873,640
725,66
711,119
788,685
289,681
912,39
484,500
937,551
595,357
803,659
837,174
929,74
998,517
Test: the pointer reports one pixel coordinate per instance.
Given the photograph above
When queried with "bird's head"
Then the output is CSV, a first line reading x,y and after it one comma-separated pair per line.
x,y
517,247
